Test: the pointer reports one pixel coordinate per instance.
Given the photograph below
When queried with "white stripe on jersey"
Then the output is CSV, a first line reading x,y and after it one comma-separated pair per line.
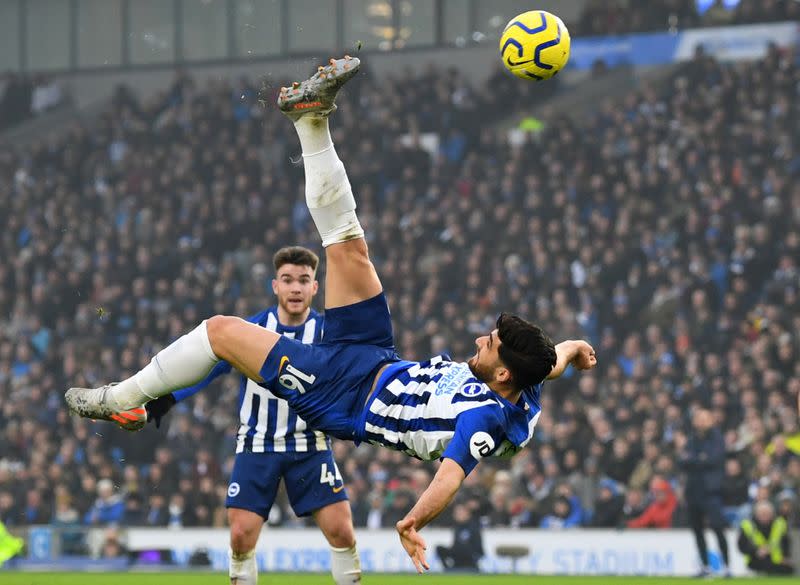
x,y
263,415
402,412
427,445
281,426
300,441
309,331
531,425
272,322
244,415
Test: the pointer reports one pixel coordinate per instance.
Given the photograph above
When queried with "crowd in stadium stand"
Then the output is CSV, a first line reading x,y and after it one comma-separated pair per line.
x,y
665,229
608,17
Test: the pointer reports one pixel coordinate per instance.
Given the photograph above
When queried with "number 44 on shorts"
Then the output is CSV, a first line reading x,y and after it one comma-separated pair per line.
x,y
326,476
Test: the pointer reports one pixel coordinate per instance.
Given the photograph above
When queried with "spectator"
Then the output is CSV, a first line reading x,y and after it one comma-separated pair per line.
x,y
467,547
6,509
609,507
401,503
787,508
108,508
718,14
370,516
35,510
658,514
621,462
560,515
112,545
134,512
735,496
157,513
764,542
645,468
68,521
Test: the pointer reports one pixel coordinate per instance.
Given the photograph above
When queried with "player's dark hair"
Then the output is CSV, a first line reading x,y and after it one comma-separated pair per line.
x,y
525,350
295,255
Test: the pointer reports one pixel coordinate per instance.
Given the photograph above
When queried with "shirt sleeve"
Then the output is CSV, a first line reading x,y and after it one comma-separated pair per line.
x,y
478,434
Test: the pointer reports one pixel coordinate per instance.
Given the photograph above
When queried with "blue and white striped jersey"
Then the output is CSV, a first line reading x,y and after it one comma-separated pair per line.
x,y
267,424
437,409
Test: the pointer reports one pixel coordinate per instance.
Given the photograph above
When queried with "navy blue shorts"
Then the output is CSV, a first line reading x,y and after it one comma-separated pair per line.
x,y
328,383
312,481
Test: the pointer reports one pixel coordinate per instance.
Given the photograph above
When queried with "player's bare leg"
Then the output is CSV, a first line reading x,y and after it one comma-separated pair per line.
x,y
183,363
245,530
350,276
336,523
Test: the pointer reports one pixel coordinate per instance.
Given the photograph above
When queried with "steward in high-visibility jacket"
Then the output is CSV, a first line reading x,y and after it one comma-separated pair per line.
x,y
10,545
764,541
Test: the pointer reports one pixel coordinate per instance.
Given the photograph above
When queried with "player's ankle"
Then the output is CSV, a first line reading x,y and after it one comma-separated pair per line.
x,y
243,569
345,565
314,134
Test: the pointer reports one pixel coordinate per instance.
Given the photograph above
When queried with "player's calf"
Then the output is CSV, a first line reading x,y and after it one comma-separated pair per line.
x,y
328,193
336,523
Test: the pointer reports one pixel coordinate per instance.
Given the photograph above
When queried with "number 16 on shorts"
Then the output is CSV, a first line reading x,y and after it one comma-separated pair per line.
x,y
294,379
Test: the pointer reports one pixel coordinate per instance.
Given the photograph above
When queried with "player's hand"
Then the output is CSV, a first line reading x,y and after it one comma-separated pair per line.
x,y
585,358
413,543
158,408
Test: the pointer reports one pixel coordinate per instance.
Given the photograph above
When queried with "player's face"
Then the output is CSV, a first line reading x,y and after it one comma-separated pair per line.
x,y
295,286
485,364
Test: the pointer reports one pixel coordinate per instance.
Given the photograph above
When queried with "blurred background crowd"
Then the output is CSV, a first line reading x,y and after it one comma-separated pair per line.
x,y
602,17
664,228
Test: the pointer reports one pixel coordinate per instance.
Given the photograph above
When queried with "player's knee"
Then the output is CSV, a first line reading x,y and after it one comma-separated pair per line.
x,y
243,538
220,333
341,535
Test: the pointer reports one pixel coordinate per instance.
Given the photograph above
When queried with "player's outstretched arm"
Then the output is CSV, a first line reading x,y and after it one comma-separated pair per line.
x,y
431,503
576,352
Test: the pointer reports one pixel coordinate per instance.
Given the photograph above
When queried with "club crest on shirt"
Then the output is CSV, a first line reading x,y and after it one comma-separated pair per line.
x,y
472,389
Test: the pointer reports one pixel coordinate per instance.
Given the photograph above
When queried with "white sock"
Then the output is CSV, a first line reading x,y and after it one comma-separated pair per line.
x,y
243,569
328,193
345,566
184,362
314,134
